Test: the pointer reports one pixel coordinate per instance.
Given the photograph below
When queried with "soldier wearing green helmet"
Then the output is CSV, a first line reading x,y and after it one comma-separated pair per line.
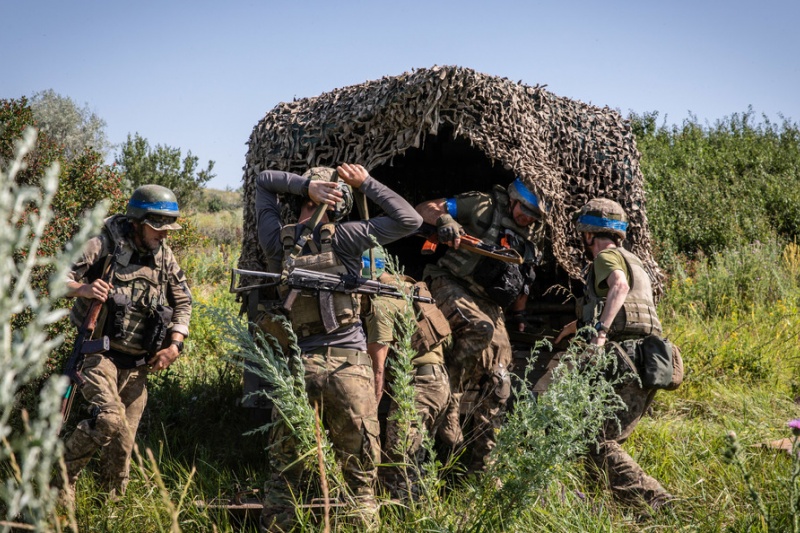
x,y
619,310
146,310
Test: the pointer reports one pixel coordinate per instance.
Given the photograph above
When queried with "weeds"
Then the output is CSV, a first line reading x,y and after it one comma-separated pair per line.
x,y
771,517
542,435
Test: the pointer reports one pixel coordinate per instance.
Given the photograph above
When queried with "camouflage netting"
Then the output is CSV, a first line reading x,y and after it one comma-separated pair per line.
x,y
567,151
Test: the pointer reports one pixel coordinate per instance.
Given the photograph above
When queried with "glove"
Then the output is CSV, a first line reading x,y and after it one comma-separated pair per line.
x,y
448,229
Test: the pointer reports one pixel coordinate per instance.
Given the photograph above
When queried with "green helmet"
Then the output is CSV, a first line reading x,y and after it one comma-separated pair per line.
x,y
528,201
155,206
601,215
343,206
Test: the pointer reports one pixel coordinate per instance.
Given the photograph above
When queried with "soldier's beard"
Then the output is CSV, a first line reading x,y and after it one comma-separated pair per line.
x,y
144,244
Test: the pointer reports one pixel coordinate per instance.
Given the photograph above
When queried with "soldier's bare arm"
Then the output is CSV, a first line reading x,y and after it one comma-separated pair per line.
x,y
96,290
618,289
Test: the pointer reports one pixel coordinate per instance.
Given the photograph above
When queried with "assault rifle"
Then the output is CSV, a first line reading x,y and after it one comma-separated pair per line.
x,y
300,279
84,344
469,243
322,285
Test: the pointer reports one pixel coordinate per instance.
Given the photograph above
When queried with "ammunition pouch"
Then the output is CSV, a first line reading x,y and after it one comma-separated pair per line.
x,y
657,361
660,363
119,307
156,328
432,325
502,282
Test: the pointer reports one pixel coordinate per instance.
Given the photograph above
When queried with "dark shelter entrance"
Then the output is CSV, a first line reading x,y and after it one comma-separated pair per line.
x,y
444,167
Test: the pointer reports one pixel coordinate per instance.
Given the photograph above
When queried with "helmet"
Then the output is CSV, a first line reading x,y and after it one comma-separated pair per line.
x,y
601,215
380,262
528,201
154,205
343,206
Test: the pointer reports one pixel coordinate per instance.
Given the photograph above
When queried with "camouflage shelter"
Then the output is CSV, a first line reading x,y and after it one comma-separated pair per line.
x,y
435,132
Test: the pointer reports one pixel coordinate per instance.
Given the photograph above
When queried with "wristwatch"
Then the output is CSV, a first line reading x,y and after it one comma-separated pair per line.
x,y
179,344
600,327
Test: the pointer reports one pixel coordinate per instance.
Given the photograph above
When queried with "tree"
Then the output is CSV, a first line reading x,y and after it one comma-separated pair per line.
x,y
16,116
162,165
75,128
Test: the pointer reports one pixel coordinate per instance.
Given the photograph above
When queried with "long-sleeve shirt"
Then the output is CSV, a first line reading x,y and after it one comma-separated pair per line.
x,y
153,269
349,241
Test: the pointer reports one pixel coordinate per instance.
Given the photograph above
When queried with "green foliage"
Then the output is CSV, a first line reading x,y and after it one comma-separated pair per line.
x,y
76,129
733,281
223,228
216,201
772,517
542,435
284,377
84,181
30,452
714,186
162,165
15,117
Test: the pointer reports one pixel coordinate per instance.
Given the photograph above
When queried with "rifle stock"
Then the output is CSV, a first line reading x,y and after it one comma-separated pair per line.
x,y
469,243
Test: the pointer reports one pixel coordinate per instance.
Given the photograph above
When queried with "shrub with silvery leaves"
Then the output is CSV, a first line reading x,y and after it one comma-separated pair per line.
x,y
30,453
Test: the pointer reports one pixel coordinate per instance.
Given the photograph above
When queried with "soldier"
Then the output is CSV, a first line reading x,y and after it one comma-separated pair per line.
x,y
618,302
473,292
147,307
429,375
338,370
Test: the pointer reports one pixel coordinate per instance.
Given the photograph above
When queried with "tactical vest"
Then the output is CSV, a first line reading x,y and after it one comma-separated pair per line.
x,y
432,325
141,287
305,314
638,317
462,263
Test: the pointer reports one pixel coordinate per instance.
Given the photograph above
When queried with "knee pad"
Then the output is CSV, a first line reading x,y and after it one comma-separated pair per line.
x,y
482,332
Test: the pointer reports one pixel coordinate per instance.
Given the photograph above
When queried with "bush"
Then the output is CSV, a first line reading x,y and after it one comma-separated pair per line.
x,y
712,187
734,281
31,450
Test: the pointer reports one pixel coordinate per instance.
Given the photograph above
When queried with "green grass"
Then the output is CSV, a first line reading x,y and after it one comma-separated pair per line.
x,y
742,360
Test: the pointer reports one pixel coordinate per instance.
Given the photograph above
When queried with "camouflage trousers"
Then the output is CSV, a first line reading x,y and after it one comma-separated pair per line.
x,y
626,479
431,398
480,360
345,394
118,398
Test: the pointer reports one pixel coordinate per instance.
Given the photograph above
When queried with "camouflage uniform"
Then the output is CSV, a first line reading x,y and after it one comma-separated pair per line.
x,y
481,353
429,379
116,381
338,372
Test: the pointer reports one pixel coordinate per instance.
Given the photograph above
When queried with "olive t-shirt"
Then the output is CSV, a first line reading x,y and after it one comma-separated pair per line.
x,y
604,264
380,328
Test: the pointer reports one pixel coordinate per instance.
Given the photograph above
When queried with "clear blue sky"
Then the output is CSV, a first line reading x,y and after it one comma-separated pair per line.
x,y
200,74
